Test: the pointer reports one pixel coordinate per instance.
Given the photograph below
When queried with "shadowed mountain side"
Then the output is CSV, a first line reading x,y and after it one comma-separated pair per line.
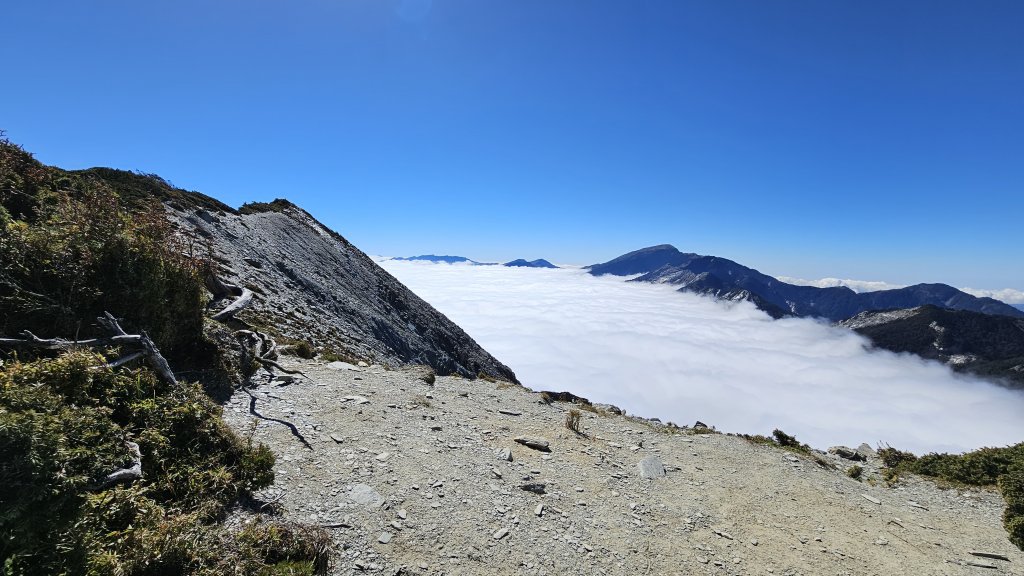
x,y
312,284
723,278
983,344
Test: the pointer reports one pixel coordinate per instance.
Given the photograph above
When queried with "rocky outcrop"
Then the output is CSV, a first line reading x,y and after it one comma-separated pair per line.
x,y
313,285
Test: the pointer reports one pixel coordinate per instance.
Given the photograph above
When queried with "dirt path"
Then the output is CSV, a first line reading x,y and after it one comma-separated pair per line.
x,y
408,475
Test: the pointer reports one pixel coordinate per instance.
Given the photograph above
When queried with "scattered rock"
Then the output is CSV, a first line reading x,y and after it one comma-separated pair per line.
x,y
503,454
651,467
509,412
871,499
365,495
535,443
385,537
355,399
535,487
539,510
500,534
847,453
867,451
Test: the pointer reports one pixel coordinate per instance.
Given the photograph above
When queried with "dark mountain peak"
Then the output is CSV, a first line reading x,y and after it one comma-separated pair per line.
x,y
722,278
538,263
643,261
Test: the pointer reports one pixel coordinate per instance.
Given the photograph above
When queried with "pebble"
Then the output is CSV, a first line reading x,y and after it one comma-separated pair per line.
x,y
385,537
500,534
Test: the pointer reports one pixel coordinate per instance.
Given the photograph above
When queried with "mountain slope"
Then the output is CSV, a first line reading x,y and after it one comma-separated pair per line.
x,y
314,285
723,278
982,344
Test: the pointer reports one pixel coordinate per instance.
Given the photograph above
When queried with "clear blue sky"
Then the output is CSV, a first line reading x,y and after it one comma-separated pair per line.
x,y
862,139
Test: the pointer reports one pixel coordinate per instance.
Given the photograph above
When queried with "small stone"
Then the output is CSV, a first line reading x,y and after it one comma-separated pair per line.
x,y
385,537
500,534
535,443
881,542
702,559
754,542
539,510
403,514
496,472
428,377
337,438
397,525
535,487
870,499
503,454
509,412
382,456
363,364
651,467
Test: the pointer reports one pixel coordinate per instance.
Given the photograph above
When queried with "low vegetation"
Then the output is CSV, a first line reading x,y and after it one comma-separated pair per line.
x,y
573,421
73,245
788,443
987,467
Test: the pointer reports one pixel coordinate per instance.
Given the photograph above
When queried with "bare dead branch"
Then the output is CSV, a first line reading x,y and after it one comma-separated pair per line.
x,y
235,307
130,474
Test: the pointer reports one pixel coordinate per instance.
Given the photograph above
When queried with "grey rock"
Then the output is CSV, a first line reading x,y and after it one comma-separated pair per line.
x,y
535,487
365,495
500,534
510,412
866,451
847,453
317,286
651,467
385,537
503,454
534,442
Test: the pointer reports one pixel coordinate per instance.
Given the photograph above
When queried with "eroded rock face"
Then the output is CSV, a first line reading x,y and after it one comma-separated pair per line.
x,y
312,284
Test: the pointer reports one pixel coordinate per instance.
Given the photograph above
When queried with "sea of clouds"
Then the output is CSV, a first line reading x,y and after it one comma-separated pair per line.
x,y
680,357
1007,295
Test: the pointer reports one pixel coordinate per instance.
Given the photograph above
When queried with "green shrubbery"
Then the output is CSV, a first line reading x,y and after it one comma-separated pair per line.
x,y
1002,467
73,245
70,250
63,426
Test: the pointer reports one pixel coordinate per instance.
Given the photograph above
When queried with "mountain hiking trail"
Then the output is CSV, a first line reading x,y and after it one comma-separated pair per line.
x,y
418,478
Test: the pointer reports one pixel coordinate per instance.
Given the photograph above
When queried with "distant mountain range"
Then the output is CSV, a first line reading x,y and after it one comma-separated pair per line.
x,y
442,259
723,278
983,344
539,263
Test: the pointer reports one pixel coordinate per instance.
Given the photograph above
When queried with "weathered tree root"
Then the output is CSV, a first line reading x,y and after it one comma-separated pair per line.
x,y
130,474
221,289
294,429
261,348
149,350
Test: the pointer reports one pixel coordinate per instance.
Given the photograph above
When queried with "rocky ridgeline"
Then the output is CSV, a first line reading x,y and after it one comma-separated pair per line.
x,y
419,475
311,284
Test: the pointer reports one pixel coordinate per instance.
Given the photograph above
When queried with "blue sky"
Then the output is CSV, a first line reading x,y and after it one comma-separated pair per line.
x,y
866,139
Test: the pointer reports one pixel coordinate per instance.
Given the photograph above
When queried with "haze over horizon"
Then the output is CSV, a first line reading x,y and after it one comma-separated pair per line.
x,y
861,140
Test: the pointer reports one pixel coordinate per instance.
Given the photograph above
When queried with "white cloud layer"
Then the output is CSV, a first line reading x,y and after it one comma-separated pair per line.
x,y
1008,295
659,353
855,285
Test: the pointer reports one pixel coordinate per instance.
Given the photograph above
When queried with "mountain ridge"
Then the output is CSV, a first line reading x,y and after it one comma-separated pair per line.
x,y
726,279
